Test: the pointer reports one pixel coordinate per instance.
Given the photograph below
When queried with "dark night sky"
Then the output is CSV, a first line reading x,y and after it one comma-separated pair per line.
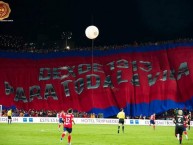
x,y
119,22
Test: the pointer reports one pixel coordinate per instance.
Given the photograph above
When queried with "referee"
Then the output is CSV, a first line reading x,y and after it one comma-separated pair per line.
x,y
9,114
121,117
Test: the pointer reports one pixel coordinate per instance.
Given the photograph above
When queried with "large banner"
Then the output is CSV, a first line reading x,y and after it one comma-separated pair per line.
x,y
142,80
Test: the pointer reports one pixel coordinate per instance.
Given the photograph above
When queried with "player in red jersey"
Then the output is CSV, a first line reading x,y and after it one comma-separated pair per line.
x,y
189,119
186,126
68,120
152,120
60,114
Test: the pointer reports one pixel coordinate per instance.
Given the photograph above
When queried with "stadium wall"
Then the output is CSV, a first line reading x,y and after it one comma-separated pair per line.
x,y
87,121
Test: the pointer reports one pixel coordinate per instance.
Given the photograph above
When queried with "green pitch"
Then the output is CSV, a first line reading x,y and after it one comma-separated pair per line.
x,y
48,134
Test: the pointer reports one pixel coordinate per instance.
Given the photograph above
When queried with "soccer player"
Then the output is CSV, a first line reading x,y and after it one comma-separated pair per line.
x,y
152,120
9,115
60,116
121,117
68,120
189,119
186,126
179,121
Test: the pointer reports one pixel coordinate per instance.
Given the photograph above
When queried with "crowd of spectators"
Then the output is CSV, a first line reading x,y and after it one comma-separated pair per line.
x,y
30,113
168,115
9,43
47,113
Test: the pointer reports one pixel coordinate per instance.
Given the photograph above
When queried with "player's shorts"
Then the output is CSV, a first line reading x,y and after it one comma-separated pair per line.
x,y
188,122
69,130
152,122
179,129
121,121
60,120
184,128
9,117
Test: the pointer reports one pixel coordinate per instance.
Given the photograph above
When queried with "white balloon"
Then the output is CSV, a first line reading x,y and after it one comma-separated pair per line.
x,y
92,32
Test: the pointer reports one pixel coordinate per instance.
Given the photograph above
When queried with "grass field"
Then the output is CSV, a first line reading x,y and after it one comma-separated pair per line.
x,y
48,134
